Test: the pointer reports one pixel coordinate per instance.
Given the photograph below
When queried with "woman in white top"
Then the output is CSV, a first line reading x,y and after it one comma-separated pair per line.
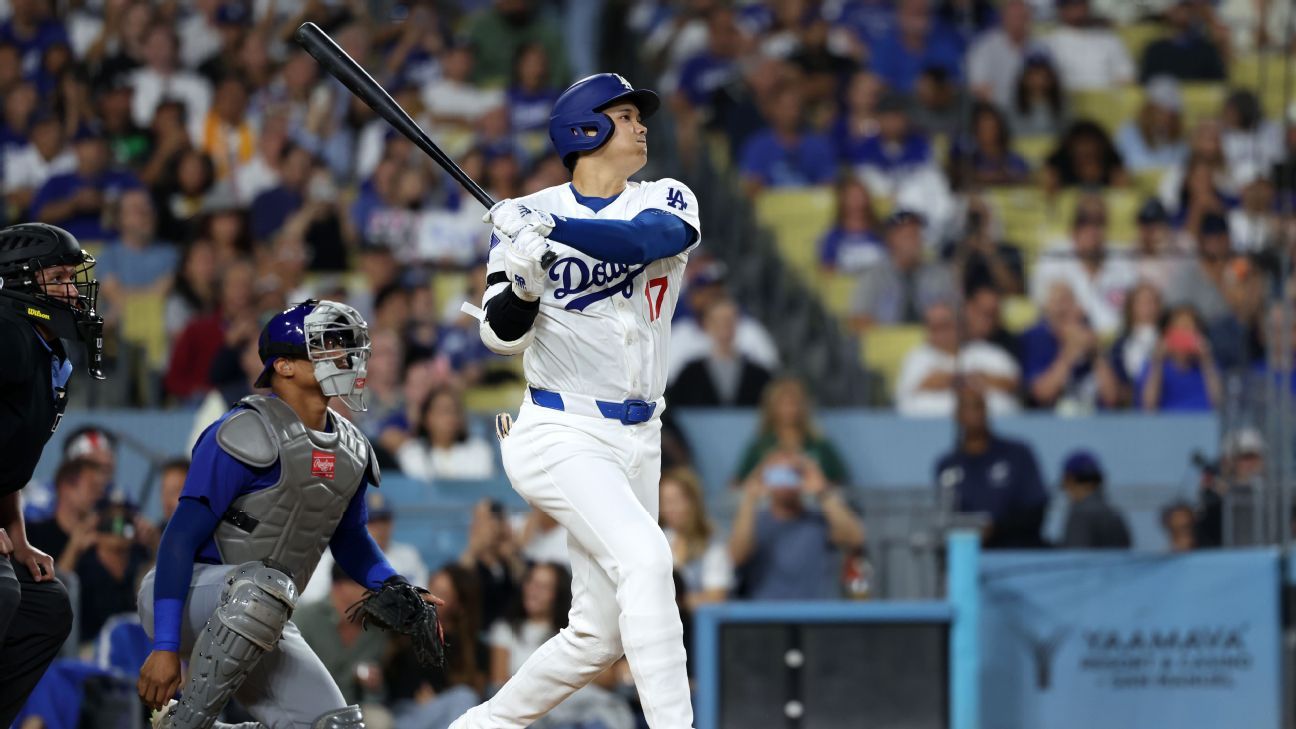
x,y
539,612
441,446
701,558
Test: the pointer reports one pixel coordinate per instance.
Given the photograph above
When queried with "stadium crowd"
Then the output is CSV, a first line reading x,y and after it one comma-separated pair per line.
x,y
217,175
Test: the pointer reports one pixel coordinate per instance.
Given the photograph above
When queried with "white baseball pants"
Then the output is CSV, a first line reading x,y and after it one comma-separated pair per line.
x,y
599,479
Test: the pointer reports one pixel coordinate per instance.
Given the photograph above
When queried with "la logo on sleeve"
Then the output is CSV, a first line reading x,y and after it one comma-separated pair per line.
x,y
322,464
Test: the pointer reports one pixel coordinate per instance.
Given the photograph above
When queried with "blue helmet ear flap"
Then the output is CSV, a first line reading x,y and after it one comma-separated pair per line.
x,y
574,128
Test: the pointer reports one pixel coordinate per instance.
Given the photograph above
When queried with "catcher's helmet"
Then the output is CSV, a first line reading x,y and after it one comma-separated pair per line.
x,y
333,336
580,110
28,248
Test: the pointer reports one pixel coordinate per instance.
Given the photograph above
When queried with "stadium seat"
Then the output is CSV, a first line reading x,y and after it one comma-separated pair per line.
x,y
883,349
1022,212
447,284
1019,313
1035,148
494,398
1201,101
798,219
1109,107
145,326
835,291
1138,36
1263,73
940,149
1148,182
1122,211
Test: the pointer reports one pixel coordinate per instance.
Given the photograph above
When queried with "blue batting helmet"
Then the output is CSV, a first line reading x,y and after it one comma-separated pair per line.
x,y
580,109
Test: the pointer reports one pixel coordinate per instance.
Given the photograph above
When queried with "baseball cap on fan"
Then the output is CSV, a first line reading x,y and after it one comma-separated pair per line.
x,y
378,508
1083,466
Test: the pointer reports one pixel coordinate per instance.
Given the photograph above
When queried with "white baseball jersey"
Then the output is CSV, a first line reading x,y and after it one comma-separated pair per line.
x,y
604,328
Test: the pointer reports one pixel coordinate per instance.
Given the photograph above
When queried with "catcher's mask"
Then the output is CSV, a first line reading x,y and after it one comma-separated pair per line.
x,y
332,336
66,306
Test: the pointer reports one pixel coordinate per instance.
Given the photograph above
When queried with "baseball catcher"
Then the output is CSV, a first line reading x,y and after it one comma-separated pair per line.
x,y
273,482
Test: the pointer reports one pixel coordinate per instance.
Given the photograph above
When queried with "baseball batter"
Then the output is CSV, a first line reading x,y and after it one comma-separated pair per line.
x,y
586,446
273,482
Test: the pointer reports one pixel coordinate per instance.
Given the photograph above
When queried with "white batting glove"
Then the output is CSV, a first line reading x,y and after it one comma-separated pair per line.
x,y
513,217
522,264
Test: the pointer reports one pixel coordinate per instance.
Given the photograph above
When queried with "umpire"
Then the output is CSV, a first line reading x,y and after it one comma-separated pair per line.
x,y
47,297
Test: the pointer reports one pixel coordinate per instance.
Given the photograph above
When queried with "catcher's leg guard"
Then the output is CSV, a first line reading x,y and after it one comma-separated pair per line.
x,y
257,601
346,718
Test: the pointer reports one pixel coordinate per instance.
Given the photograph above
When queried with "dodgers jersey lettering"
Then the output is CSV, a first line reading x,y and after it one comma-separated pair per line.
x,y
604,328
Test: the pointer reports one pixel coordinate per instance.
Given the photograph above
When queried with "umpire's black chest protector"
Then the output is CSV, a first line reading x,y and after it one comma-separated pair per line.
x,y
30,406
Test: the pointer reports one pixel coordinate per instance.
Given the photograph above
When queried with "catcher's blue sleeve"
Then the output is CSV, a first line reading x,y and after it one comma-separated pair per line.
x,y
354,549
651,235
215,480
190,526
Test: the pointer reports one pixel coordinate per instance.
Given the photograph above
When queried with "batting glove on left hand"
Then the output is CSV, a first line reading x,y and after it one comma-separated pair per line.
x,y
522,264
512,217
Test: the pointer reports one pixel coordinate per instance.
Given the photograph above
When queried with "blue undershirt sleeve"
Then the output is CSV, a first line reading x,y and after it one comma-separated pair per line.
x,y
354,550
189,528
651,235
215,480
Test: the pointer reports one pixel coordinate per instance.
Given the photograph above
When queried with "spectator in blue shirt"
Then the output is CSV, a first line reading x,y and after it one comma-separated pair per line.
x,y
530,97
32,30
1181,375
919,42
784,550
870,20
786,154
852,244
993,476
703,74
77,201
136,262
858,120
1062,362
895,151
272,208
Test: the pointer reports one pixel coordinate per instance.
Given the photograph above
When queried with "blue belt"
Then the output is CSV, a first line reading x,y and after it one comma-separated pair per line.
x,y
629,412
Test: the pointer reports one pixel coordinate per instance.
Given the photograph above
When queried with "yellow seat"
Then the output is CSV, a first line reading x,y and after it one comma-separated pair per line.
x,y
1148,182
1019,313
1263,74
836,290
940,149
447,286
1021,211
798,218
720,149
1109,107
1035,148
494,399
1122,214
1202,101
883,349
142,322
1138,36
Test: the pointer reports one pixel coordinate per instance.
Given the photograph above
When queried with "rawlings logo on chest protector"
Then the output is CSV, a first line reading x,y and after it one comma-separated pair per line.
x,y
576,276
323,464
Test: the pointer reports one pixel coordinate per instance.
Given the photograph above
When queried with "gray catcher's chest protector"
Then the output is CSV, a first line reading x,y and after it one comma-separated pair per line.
x,y
290,524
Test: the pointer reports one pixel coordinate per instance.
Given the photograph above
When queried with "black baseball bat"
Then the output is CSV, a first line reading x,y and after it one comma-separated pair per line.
x,y
358,81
